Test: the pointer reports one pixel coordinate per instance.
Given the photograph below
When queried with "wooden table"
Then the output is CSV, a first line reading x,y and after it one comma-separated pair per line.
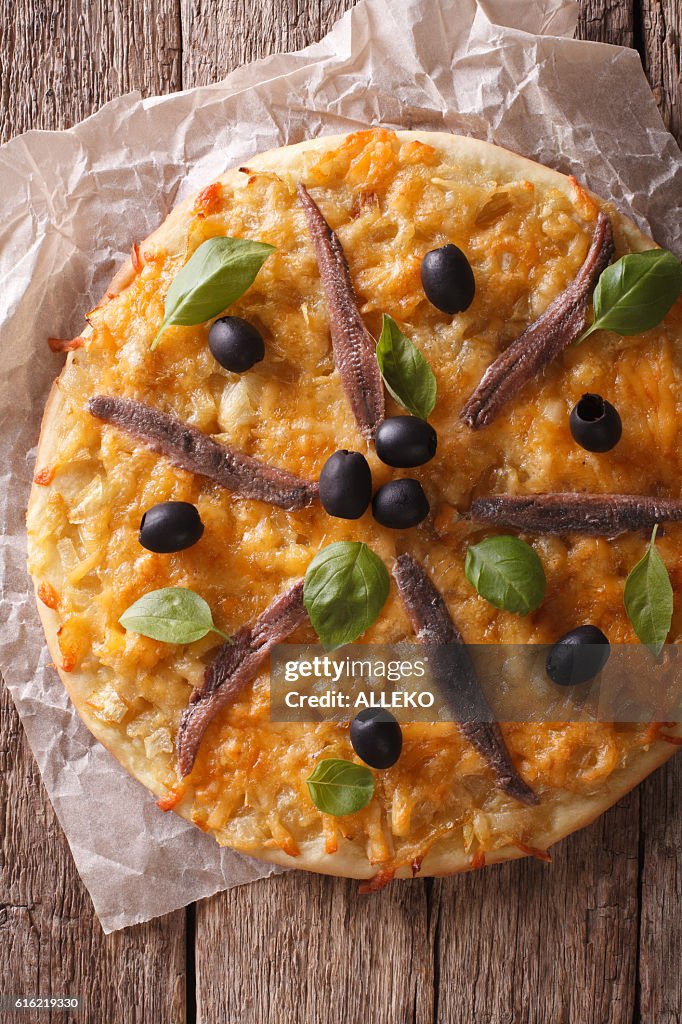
x,y
596,937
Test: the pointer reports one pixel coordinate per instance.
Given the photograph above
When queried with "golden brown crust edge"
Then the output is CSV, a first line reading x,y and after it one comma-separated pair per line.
x,y
349,860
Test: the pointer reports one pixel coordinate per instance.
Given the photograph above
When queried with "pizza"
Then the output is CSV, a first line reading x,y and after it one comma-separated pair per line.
x,y
263,421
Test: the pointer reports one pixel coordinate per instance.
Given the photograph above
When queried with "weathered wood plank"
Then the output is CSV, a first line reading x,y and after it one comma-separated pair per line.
x,y
661,46
223,34
50,941
661,889
61,59
607,21
654,27
312,950
533,943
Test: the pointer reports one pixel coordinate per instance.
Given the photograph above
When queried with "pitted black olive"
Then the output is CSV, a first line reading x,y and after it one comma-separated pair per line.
x,y
595,424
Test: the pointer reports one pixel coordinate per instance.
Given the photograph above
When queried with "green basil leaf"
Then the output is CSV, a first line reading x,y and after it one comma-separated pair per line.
x,y
406,373
340,787
636,292
175,615
345,588
648,598
215,276
506,572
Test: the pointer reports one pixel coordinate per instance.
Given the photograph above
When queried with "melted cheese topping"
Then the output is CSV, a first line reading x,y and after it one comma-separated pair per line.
x,y
390,202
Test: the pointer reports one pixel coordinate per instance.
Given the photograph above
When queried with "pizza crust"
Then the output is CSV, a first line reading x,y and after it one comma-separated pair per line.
x,y
350,859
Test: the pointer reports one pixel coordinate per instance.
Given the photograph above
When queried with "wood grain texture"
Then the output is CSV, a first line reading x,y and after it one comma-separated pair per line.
x,y
607,21
309,949
595,938
654,27
660,999
661,47
220,35
62,59
59,61
50,940
535,943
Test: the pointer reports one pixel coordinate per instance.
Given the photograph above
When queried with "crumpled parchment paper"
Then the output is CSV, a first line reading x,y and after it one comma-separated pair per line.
x,y
72,202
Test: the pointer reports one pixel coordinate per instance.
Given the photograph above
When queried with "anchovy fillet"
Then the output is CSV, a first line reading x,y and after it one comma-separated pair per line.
x,y
597,514
189,449
237,663
455,674
354,347
561,323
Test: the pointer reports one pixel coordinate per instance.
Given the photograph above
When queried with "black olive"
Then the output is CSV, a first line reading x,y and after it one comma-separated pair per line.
x,y
346,485
448,280
578,656
170,526
595,424
235,343
405,441
400,504
376,737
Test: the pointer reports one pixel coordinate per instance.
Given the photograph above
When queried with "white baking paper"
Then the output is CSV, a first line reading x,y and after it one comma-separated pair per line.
x,y
72,202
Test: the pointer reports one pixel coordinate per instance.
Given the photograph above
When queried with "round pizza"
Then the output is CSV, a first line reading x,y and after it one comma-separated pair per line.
x,y
382,387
